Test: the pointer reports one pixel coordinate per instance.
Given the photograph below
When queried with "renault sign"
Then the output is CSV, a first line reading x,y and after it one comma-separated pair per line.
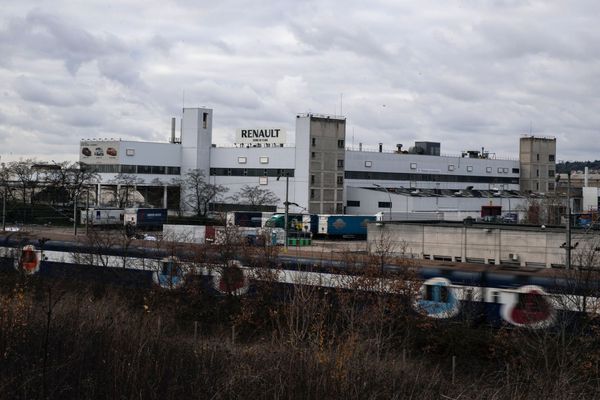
x,y
260,135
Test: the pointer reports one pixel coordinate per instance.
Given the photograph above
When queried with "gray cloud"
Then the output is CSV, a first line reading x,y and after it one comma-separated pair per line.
x,y
463,72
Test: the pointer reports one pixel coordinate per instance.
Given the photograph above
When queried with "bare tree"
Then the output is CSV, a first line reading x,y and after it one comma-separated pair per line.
x,y
198,192
125,186
26,179
255,196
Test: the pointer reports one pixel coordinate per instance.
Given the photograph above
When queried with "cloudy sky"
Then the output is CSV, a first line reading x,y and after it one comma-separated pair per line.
x,y
470,73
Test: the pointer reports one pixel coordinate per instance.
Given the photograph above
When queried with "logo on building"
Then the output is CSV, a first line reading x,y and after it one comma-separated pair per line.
x,y
260,135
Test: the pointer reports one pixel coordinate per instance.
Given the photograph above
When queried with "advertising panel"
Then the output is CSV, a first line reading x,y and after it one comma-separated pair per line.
x,y
260,135
99,152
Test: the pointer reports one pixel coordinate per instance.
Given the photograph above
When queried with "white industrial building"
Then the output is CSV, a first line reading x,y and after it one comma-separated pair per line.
x,y
325,175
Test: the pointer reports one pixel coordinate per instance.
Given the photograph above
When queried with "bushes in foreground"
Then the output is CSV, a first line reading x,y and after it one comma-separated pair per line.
x,y
67,341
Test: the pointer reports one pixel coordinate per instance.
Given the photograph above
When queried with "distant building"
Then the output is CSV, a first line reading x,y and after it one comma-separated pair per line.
x,y
537,156
324,174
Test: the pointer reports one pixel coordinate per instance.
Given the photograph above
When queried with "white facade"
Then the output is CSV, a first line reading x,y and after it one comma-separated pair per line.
x,y
261,164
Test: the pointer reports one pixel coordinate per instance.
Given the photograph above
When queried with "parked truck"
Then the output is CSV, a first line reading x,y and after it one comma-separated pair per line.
x,y
342,225
145,218
103,216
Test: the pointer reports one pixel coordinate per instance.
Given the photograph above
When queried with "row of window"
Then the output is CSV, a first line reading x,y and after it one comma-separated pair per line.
x,y
340,143
380,204
134,169
251,172
262,160
404,176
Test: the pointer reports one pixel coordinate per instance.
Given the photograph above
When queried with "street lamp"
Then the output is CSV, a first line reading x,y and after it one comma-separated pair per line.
x,y
389,197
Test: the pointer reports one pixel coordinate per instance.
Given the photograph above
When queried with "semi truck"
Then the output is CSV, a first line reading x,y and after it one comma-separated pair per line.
x,y
145,218
103,216
343,225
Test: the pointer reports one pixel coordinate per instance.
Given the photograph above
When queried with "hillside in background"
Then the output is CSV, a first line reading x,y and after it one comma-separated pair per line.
x,y
566,166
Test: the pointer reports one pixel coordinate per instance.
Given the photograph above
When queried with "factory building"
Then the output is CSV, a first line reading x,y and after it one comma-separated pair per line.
x,y
314,168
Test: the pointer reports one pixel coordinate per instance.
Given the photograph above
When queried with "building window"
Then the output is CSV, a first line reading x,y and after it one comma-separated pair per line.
x,y
353,203
130,152
128,169
159,170
551,157
505,170
144,169
413,165
312,193
229,172
340,180
263,180
537,172
384,204
368,164
450,167
537,156
550,173
264,160
341,143
173,170
515,170
312,179
314,141
499,170
550,185
537,186
204,120
313,155
242,160
488,170
340,163
469,168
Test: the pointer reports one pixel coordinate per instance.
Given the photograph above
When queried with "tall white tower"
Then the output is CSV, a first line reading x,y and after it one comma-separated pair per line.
x,y
196,140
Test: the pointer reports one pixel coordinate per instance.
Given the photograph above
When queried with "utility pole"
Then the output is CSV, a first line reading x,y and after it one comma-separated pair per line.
x,y
569,220
287,207
4,210
75,215
87,211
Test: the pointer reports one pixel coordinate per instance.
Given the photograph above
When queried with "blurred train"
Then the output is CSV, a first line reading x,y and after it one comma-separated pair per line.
x,y
496,295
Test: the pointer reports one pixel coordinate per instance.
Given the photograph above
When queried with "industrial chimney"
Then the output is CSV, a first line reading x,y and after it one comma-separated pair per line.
x,y
173,130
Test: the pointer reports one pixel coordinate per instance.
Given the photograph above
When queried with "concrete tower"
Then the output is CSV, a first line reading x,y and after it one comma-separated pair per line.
x,y
537,158
196,139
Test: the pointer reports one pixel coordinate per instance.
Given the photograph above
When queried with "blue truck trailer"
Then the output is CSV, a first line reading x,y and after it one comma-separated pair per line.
x,y
146,218
342,225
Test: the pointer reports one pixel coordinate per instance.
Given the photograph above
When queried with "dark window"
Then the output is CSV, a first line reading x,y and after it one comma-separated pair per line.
x,y
312,179
313,154
428,292
443,294
144,169
340,164
551,157
550,173
353,203
515,170
204,120
384,204
159,170
314,141
550,185
312,193
128,169
174,171
340,180
537,172
538,156
341,143
404,176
